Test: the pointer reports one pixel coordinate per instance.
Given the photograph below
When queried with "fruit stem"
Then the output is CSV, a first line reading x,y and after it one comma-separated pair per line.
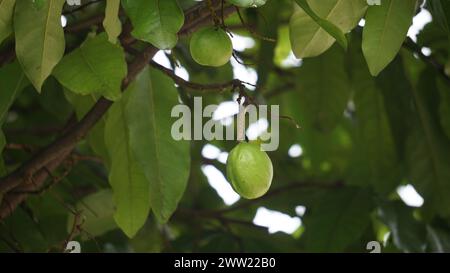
x,y
241,123
214,16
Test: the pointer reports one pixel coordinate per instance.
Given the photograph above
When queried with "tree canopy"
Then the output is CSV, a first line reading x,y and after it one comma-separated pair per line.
x,y
88,152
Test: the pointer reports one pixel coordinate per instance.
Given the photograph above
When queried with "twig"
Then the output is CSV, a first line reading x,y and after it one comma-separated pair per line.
x,y
415,48
76,229
214,87
252,31
54,154
81,7
276,192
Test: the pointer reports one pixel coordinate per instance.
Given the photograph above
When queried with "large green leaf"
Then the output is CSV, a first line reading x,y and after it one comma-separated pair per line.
x,y
428,150
309,39
385,31
12,81
329,27
112,23
40,40
131,189
165,162
96,67
97,212
6,15
339,219
396,88
408,234
155,21
375,155
323,102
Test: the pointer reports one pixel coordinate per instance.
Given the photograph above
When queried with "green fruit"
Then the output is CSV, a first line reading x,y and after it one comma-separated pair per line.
x,y
211,46
248,3
249,170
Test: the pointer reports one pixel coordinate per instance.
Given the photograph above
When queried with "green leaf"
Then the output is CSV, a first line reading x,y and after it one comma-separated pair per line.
x,y
428,149
329,27
408,234
6,16
155,21
12,81
131,189
311,36
96,136
339,219
49,216
52,100
385,31
444,106
97,212
96,67
440,10
112,23
165,162
39,4
438,240
283,47
323,102
396,88
269,26
149,239
40,40
375,155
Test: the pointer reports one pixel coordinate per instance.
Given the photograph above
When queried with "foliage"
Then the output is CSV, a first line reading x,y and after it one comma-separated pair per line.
x,y
87,115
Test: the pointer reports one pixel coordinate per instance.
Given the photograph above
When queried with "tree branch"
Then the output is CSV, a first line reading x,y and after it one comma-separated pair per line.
x,y
214,87
415,48
32,174
278,191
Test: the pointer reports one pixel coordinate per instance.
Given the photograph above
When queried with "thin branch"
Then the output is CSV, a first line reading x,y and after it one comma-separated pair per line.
x,y
276,192
85,24
251,30
32,174
279,90
81,7
415,48
214,87
76,229
188,213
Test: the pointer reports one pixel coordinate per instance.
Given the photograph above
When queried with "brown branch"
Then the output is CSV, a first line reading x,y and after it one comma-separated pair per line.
x,y
415,48
81,7
92,21
199,16
251,30
214,87
189,213
276,192
78,222
11,201
32,174
279,90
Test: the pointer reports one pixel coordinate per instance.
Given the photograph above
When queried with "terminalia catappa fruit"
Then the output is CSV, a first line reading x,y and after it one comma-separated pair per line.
x,y
249,170
211,46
